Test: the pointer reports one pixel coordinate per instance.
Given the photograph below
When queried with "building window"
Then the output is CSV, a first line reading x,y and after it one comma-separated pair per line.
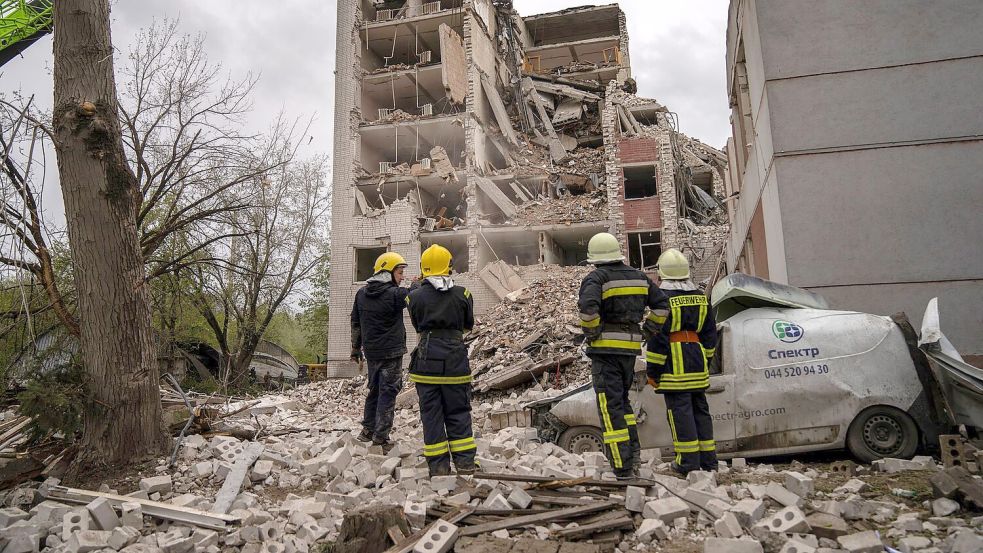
x,y
365,261
639,182
644,249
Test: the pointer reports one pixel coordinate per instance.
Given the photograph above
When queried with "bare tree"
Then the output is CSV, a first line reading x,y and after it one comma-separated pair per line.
x,y
273,249
122,417
25,242
183,126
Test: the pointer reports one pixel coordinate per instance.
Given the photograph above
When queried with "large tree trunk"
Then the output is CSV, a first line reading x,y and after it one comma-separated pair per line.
x,y
123,413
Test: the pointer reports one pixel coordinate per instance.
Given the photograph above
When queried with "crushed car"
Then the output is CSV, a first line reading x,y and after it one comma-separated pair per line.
x,y
792,375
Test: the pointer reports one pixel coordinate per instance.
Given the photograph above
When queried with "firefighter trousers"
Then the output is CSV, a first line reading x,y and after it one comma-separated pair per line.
x,y
692,430
385,380
445,410
612,377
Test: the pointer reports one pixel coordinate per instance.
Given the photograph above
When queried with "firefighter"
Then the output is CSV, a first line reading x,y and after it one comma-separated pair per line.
x,y
676,363
379,335
612,303
441,313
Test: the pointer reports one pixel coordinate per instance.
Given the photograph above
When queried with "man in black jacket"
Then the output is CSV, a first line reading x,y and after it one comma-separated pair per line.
x,y
378,333
441,313
612,303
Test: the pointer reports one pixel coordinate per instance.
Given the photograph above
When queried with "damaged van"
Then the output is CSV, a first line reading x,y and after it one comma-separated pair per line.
x,y
791,375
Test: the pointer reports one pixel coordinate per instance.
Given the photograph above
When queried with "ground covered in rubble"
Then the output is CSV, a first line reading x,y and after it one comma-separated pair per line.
x,y
310,473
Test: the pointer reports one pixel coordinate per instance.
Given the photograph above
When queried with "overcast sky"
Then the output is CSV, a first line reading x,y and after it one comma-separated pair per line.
x,y
676,47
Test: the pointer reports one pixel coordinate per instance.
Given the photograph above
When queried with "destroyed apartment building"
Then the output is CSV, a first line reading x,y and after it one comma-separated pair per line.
x,y
508,140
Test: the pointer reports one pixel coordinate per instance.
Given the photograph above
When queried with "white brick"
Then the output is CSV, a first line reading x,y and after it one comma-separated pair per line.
x,y
157,484
635,499
102,514
725,545
439,539
727,526
74,521
788,520
519,498
863,542
667,510
799,484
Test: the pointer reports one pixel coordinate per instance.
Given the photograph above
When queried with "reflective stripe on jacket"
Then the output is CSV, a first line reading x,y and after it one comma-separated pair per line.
x,y
440,317
613,300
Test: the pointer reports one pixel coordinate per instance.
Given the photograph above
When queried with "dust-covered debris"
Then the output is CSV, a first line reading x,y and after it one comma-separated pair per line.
x,y
536,325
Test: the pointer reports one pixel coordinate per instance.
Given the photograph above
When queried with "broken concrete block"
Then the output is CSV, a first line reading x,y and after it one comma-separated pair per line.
x,y
132,514
635,499
175,541
157,484
727,526
738,463
966,541
50,511
497,501
338,461
749,511
667,510
202,469
416,513
788,520
21,544
780,494
911,544
730,545
795,545
825,525
75,521
799,484
84,541
862,542
261,471
943,507
852,486
123,536
651,528
310,532
11,515
519,498
439,538
447,483
102,514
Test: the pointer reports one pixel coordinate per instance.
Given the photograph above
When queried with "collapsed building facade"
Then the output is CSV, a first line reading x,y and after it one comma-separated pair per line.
x,y
508,140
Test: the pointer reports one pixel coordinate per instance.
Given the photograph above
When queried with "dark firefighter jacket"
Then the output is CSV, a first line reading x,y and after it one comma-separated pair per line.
x,y
441,317
612,303
377,320
677,356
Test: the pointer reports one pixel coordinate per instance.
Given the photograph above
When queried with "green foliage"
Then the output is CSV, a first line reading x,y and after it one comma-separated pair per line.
x,y
314,318
54,400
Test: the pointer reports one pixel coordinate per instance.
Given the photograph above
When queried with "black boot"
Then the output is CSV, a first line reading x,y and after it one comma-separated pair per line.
x,y
386,445
364,436
678,469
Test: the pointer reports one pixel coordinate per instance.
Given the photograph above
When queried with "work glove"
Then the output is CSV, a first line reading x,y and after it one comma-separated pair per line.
x,y
653,383
592,333
356,354
649,329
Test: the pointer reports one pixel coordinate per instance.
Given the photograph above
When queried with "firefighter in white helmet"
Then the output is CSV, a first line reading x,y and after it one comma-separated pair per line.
x,y
613,302
676,362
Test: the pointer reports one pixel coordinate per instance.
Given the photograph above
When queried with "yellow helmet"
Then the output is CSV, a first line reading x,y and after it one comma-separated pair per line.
x,y
389,261
673,265
604,248
435,261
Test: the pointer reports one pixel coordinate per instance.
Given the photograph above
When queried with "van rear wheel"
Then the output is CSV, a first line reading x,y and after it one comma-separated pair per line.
x,y
881,432
582,439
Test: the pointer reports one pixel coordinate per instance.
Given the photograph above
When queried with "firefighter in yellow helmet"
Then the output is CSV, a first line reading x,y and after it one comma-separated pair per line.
x,y
378,333
441,312
676,362
613,302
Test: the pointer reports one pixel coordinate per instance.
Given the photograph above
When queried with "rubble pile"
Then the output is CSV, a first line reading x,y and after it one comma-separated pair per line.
x,y
534,331
294,493
566,209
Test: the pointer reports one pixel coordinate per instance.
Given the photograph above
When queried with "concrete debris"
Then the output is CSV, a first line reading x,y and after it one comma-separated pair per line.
x,y
532,332
298,493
